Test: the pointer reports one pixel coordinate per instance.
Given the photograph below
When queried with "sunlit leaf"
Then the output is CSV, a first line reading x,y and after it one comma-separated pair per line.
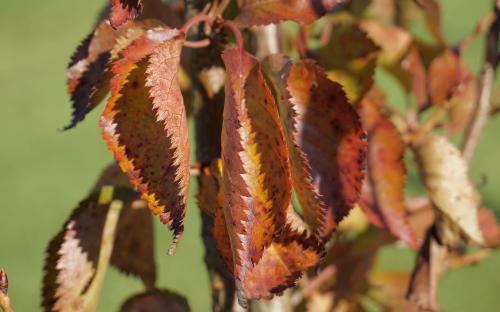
x,y
145,125
489,227
262,12
445,176
77,257
329,132
349,58
123,11
156,300
277,68
268,255
392,40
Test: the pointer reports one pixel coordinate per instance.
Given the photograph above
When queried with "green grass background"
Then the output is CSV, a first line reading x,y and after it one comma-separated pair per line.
x,y
43,173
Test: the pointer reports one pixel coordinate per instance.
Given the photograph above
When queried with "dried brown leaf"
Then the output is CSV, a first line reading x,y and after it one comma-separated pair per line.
x,y
145,125
123,11
445,176
156,300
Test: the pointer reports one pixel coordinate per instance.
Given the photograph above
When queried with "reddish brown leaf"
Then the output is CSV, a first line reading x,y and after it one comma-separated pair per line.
x,y
87,78
73,255
489,227
133,252
432,11
211,201
277,68
256,175
262,12
4,282
443,77
462,105
393,41
331,137
156,300
383,199
123,11
349,58
431,265
144,124
417,75
282,263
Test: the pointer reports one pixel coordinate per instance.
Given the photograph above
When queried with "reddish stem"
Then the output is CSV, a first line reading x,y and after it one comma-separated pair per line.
x,y
236,33
197,44
195,20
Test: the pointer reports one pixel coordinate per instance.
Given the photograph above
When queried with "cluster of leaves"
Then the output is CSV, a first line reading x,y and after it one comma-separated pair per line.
x,y
302,139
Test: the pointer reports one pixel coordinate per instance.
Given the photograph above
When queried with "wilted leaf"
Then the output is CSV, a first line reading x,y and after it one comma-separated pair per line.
x,y
123,11
4,282
87,78
78,256
133,252
211,201
257,183
489,227
431,265
392,40
445,176
268,255
383,198
156,300
278,69
262,12
432,12
462,106
444,77
416,75
144,125
349,58
329,132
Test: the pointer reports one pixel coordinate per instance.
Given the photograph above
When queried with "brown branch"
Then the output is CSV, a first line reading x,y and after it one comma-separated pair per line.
x,y
471,259
481,114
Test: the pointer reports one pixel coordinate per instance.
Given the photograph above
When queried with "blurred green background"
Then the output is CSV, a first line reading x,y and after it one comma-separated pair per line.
x,y
44,173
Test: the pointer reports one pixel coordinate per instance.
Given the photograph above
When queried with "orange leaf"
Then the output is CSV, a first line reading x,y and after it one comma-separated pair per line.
x,y
384,197
263,12
331,137
257,186
123,11
144,125
277,68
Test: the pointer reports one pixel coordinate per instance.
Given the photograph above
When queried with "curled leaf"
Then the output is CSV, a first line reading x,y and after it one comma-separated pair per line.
x,y
78,256
263,12
383,199
123,11
256,174
144,124
330,135
277,68
444,173
156,300
268,255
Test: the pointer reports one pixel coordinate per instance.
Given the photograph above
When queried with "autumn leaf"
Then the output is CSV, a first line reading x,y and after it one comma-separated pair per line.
x,y
445,176
268,255
383,200
350,59
78,255
444,77
134,236
123,11
263,12
156,300
144,124
277,69
327,132
432,12
87,79
256,174
393,41
489,227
